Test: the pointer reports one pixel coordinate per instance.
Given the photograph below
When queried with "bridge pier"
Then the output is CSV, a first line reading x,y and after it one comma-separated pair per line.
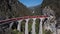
x,y
19,25
11,25
26,26
33,26
40,26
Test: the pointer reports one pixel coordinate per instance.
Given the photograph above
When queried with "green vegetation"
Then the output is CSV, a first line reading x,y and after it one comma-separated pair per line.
x,y
30,27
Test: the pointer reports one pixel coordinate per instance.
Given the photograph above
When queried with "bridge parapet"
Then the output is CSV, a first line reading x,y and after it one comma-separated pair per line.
x,y
19,18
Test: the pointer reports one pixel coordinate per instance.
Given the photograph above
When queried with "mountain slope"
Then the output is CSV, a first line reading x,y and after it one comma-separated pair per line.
x,y
13,8
53,4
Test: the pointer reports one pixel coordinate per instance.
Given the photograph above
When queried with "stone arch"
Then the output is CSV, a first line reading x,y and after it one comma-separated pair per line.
x,y
14,26
30,26
37,25
23,26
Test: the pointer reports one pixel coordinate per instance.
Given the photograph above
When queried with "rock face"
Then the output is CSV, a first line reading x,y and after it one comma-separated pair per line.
x,y
53,4
13,8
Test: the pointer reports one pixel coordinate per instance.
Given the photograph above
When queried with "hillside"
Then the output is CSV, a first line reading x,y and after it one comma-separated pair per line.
x,y
53,4
36,9
12,8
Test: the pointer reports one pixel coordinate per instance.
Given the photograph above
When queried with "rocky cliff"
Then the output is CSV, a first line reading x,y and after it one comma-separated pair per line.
x,y
53,4
13,8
